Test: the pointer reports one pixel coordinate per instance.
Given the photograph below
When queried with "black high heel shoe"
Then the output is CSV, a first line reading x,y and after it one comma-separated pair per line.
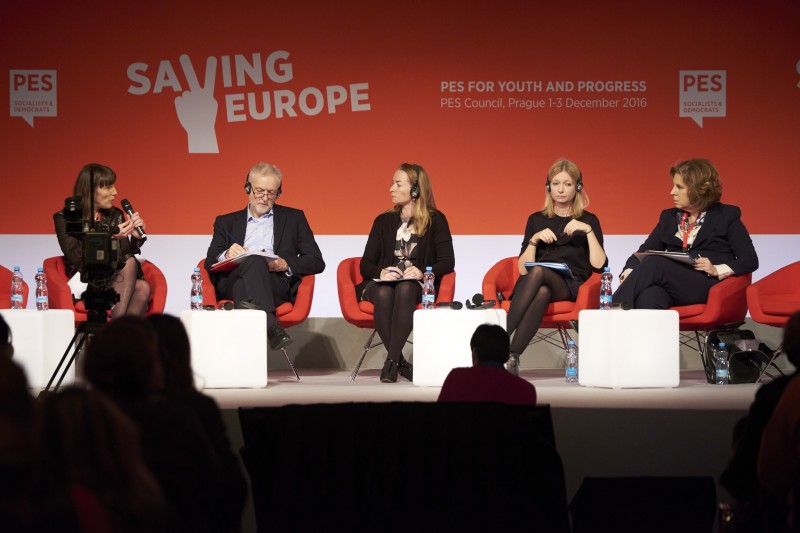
x,y
406,369
389,372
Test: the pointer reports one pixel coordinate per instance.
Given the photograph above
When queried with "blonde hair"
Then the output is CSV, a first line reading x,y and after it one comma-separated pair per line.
x,y
581,199
424,204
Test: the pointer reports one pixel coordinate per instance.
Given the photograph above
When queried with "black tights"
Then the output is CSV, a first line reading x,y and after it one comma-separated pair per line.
x,y
394,313
533,292
134,294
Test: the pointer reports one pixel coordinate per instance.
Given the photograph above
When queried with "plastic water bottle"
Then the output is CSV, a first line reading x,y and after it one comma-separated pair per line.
x,y
605,288
42,301
428,290
572,362
721,369
16,289
197,290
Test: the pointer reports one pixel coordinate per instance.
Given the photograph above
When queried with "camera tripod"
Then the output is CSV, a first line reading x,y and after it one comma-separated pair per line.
x,y
98,302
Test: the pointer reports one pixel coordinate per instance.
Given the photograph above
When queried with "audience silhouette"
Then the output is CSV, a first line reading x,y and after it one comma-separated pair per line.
x,y
756,509
487,380
18,418
122,361
92,456
178,381
778,464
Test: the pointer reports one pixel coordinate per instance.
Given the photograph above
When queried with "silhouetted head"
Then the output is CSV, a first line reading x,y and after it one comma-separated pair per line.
x,y
174,352
490,342
122,359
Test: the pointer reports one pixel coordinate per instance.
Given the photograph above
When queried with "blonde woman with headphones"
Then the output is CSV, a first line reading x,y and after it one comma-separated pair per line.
x,y
562,232
404,240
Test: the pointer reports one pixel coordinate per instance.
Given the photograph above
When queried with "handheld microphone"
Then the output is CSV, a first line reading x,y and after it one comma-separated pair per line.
x,y
479,303
126,206
452,305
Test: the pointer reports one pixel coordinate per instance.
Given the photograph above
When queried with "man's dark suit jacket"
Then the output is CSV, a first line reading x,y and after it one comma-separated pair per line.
x,y
293,241
722,238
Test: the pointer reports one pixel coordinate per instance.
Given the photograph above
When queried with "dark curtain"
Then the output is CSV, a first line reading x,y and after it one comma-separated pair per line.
x,y
653,504
404,466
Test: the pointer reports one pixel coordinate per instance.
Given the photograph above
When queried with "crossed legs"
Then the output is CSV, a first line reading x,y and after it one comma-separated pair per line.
x,y
533,292
134,294
253,281
661,283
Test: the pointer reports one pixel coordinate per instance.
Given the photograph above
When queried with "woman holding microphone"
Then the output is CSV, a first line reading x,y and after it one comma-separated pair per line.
x,y
127,279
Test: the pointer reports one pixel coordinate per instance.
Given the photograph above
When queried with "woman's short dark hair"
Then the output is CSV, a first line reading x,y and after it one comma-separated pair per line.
x,y
702,182
490,343
103,177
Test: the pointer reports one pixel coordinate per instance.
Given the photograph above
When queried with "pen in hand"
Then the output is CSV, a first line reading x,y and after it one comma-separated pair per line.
x,y
396,271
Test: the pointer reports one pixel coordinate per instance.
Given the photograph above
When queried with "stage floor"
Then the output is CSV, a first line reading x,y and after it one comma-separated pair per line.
x,y
335,386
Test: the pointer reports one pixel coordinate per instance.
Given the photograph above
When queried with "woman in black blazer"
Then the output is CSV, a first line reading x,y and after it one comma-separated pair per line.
x,y
711,233
403,241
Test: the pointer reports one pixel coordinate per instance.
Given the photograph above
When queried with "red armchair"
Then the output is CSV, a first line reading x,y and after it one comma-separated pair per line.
x,y
288,314
558,315
726,307
5,289
361,314
60,294
776,297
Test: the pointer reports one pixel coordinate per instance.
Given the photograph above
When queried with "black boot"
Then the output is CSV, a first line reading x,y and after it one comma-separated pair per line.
x,y
406,369
389,372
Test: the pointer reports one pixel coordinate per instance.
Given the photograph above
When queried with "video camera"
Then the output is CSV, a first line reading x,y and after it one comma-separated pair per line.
x,y
100,252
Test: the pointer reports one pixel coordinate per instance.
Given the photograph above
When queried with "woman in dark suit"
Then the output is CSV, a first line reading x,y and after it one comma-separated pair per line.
x,y
403,241
711,233
127,279
564,232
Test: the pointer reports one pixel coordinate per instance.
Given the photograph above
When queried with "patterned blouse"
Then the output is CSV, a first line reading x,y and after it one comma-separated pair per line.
x,y
688,231
405,246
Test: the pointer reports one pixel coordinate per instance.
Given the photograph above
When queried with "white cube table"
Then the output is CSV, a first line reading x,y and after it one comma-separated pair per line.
x,y
40,339
441,340
619,349
229,348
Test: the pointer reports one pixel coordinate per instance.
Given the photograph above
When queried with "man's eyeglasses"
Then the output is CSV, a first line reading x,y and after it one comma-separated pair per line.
x,y
261,193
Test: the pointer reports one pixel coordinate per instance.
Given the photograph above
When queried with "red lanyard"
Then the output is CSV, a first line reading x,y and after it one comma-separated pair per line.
x,y
688,230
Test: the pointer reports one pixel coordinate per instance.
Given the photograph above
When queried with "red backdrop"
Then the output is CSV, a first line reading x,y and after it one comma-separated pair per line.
x,y
487,164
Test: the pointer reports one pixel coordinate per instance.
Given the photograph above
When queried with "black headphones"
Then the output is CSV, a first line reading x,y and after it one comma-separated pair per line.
x,y
415,188
578,185
479,303
249,188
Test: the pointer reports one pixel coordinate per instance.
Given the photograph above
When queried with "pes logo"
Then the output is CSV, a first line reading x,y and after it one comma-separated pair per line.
x,y
702,94
33,93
